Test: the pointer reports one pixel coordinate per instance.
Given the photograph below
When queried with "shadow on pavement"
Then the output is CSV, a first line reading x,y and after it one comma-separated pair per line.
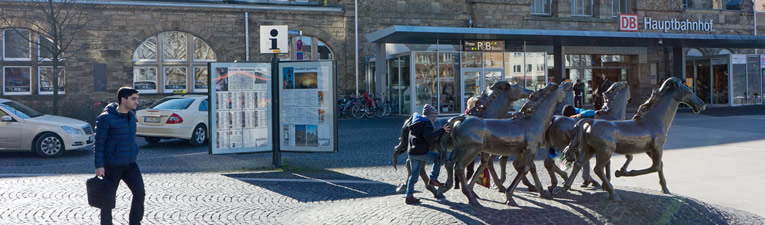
x,y
323,185
587,207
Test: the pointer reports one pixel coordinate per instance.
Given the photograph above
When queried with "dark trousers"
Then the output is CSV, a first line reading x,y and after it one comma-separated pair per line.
x,y
131,175
578,101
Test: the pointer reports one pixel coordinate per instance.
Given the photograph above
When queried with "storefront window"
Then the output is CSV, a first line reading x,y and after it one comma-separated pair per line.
x,y
753,79
493,60
425,77
513,72
720,83
472,60
182,54
448,67
535,80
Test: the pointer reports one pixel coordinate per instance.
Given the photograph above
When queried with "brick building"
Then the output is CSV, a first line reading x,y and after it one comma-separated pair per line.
x,y
161,46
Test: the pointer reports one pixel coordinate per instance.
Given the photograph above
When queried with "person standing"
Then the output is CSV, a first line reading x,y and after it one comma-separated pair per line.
x,y
602,88
116,151
421,137
578,91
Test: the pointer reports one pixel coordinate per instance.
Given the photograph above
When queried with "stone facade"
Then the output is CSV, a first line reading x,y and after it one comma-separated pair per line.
x,y
115,31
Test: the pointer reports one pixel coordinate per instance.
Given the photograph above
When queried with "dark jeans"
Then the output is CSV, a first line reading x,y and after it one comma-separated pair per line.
x,y
578,101
131,175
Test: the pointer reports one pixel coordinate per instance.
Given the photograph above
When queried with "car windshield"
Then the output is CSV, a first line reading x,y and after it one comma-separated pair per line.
x,y
173,103
20,110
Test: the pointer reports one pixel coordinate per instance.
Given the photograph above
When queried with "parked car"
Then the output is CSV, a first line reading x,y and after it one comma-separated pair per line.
x,y
24,129
183,117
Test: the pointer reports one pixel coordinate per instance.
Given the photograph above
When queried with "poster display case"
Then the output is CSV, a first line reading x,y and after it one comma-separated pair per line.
x,y
240,112
307,106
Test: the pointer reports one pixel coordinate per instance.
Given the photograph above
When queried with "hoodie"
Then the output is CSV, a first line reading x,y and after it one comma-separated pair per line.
x,y
115,138
421,135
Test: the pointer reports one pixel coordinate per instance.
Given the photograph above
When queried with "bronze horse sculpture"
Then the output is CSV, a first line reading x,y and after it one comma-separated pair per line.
x,y
561,131
493,103
569,100
521,135
645,133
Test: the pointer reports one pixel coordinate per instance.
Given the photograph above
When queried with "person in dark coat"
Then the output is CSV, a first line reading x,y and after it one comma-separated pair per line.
x,y
116,151
421,137
602,88
578,93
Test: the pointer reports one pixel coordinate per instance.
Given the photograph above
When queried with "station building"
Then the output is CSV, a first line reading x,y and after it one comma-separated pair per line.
x,y
410,52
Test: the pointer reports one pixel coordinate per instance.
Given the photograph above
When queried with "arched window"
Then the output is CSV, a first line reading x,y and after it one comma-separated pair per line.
x,y
22,62
309,48
694,52
175,60
725,51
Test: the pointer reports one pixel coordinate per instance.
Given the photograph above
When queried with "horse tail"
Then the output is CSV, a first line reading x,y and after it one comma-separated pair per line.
x,y
576,139
403,142
452,122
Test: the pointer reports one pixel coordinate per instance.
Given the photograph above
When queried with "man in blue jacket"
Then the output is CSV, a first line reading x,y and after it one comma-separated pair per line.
x,y
116,151
421,137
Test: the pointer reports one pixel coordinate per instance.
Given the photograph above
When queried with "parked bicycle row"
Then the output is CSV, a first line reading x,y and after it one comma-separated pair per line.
x,y
363,106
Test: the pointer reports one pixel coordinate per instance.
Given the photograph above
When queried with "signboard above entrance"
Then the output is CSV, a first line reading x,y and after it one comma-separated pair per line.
x,y
629,22
484,46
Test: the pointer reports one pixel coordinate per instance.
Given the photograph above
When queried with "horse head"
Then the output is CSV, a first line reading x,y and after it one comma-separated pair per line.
x,y
569,100
682,93
544,101
498,100
615,101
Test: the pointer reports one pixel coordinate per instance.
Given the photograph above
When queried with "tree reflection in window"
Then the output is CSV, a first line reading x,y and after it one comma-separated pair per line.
x,y
175,78
175,64
147,50
202,51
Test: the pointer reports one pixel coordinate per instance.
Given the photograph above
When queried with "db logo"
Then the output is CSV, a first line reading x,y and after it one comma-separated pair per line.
x,y
628,22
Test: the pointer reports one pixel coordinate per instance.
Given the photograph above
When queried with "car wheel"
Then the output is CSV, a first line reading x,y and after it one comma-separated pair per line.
x,y
152,140
49,145
199,136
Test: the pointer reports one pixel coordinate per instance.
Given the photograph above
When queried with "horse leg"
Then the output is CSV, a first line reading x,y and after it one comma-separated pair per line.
x,y
426,179
584,156
533,169
601,159
402,188
494,174
621,171
502,169
509,192
449,180
460,173
550,166
663,181
518,164
655,166
586,175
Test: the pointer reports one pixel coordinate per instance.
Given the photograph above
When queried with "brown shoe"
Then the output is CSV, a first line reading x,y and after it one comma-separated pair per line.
x,y
412,200
435,183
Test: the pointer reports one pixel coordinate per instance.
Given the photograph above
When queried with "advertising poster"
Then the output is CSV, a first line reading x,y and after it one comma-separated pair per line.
x,y
306,105
240,107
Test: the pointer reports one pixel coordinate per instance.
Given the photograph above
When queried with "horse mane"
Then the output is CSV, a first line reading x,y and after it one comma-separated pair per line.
x,y
534,100
484,100
648,105
609,94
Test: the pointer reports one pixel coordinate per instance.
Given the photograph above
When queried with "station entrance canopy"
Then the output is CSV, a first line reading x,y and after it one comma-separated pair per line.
x,y
453,35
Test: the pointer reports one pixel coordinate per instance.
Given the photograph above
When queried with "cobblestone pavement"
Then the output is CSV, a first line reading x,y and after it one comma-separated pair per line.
x,y
184,185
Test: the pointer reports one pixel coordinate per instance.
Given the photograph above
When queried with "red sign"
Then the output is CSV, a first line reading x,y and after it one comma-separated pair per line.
x,y
628,22
300,45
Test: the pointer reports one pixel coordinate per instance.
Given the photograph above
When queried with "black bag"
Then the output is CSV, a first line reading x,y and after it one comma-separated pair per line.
x,y
101,193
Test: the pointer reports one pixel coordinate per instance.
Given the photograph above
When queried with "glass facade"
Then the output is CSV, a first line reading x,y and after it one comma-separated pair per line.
x,y
726,79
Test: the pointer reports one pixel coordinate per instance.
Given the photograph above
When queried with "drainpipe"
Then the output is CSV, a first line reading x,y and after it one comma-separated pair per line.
x,y
356,19
246,36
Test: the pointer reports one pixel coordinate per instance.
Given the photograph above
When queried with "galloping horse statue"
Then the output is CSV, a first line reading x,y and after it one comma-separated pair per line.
x,y
561,130
493,103
521,135
569,100
645,133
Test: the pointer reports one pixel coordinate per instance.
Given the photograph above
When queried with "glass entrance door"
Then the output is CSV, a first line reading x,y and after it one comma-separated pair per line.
x,y
475,81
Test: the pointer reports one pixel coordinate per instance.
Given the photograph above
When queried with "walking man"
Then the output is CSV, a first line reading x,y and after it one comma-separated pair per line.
x,y
578,90
116,151
602,88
